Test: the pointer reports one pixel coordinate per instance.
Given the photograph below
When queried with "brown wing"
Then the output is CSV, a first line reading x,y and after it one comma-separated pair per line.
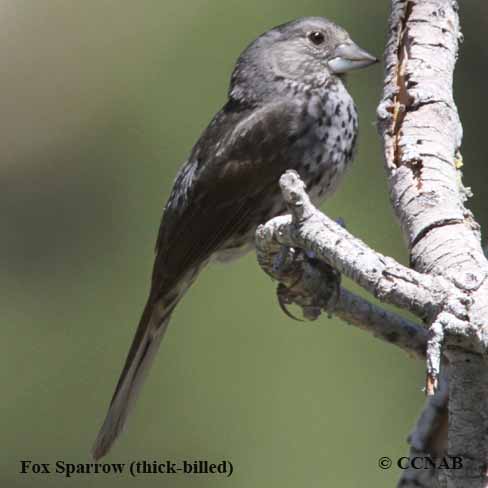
x,y
235,165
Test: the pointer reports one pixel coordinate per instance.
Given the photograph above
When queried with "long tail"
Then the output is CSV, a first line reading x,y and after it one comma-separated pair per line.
x,y
145,345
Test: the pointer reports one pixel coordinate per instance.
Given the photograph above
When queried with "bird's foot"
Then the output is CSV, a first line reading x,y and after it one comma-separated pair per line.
x,y
307,282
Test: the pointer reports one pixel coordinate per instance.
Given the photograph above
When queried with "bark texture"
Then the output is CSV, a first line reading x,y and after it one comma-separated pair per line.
x,y
446,286
422,135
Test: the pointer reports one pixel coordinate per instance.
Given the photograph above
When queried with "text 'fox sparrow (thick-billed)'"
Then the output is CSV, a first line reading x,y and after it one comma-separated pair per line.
x,y
287,108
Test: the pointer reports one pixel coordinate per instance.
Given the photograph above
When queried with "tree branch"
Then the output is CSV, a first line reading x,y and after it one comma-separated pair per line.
x,y
422,133
309,286
447,287
312,231
428,439
383,324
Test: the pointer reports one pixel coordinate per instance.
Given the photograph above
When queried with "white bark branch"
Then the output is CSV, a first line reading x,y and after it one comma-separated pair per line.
x,y
422,134
310,290
447,287
382,276
384,325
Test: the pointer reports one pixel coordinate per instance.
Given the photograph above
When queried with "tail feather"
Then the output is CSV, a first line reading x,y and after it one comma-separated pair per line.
x,y
145,345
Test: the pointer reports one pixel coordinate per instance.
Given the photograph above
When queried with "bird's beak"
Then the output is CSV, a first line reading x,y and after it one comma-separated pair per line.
x,y
349,56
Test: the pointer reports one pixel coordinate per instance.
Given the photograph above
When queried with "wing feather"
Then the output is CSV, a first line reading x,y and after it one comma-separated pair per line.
x,y
233,168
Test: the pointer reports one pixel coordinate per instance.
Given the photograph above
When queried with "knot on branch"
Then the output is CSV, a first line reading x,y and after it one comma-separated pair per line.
x,y
294,193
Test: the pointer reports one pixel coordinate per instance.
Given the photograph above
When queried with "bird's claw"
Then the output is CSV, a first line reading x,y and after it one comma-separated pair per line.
x,y
284,299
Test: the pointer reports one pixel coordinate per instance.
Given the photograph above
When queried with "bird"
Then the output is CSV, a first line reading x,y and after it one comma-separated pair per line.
x,y
287,108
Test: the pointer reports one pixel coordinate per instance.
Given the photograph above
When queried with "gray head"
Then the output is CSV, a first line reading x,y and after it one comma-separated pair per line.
x,y
309,50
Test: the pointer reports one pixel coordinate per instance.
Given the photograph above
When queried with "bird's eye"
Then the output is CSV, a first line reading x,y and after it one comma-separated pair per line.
x,y
316,37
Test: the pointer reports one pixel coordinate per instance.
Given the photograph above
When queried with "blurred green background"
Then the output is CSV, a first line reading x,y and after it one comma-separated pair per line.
x,y
101,102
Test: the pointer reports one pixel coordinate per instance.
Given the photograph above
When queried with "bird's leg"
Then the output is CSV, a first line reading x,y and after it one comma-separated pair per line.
x,y
329,287
331,278
285,263
287,268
